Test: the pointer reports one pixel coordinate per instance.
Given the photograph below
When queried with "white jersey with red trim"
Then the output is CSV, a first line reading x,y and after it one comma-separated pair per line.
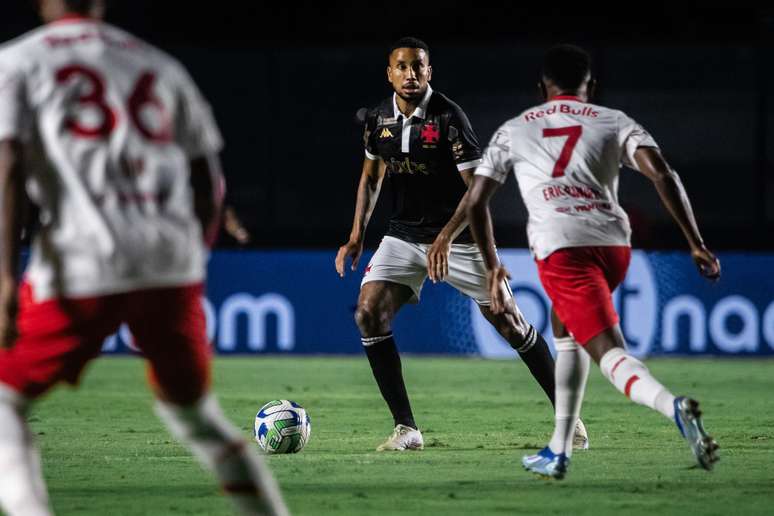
x,y
109,124
566,156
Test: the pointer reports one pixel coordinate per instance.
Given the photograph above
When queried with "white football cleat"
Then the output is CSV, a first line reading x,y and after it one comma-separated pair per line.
x,y
403,438
580,440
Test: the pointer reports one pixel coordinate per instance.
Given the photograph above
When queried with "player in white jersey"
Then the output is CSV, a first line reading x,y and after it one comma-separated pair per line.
x,y
565,155
126,181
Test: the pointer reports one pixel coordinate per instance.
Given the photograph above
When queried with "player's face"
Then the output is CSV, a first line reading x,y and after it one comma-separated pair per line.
x,y
409,72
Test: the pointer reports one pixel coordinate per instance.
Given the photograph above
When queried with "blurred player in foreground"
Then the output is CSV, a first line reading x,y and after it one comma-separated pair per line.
x,y
426,145
565,155
128,194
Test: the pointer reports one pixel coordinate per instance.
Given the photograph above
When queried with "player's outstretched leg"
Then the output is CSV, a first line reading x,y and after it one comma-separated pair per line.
x,y
378,303
634,380
222,449
169,326
22,489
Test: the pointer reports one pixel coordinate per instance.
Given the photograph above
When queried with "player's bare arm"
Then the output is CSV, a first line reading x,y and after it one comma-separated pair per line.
x,y
207,184
12,199
438,254
367,195
673,195
480,219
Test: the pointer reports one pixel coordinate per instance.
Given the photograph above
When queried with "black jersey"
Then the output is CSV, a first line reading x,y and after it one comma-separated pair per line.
x,y
424,155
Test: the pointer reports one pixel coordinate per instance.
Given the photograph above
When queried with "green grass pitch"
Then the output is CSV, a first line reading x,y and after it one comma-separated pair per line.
x,y
104,452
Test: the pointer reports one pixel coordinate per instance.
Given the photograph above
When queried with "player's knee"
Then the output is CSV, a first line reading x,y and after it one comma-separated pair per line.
x,y
181,386
371,321
513,334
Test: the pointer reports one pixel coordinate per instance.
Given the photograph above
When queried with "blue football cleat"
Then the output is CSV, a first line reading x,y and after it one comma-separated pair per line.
x,y
547,464
688,420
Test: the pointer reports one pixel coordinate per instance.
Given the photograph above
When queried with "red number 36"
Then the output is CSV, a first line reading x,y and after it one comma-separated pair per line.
x,y
142,95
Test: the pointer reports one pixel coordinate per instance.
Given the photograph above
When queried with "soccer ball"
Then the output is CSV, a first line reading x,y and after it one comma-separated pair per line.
x,y
282,426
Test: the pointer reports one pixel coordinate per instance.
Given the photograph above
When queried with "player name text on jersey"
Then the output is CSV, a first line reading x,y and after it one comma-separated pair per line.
x,y
560,191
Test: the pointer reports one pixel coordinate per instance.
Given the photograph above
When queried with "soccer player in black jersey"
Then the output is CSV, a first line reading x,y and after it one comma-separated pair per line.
x,y
424,142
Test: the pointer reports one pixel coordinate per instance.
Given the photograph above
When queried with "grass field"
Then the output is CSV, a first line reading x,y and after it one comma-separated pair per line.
x,y
105,453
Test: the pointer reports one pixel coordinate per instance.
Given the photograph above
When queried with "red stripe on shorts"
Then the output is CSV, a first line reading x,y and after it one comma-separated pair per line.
x,y
629,384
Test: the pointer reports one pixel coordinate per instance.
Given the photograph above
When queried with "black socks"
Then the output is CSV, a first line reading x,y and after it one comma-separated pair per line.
x,y
385,363
538,359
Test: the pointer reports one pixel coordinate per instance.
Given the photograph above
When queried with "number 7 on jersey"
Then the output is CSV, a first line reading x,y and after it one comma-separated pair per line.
x,y
573,134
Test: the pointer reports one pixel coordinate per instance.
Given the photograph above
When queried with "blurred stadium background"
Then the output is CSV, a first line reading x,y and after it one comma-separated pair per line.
x,y
285,81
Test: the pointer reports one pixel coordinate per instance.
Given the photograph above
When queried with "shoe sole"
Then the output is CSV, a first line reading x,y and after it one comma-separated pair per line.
x,y
559,476
545,476
407,448
703,446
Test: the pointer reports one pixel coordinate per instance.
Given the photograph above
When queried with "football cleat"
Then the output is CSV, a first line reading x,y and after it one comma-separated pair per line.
x,y
547,464
580,441
688,420
403,438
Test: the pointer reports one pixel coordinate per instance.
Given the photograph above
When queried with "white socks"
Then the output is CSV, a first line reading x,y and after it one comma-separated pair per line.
x,y
572,371
631,377
22,489
221,448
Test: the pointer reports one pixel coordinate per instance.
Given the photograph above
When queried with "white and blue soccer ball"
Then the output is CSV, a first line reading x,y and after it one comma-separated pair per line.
x,y
282,426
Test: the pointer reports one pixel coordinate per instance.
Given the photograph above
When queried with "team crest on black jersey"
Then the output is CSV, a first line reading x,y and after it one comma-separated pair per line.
x,y
430,135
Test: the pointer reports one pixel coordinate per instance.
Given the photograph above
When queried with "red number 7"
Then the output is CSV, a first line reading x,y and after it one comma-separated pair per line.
x,y
573,134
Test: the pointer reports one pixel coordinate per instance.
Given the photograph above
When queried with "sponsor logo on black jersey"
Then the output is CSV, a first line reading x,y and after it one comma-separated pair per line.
x,y
458,149
406,166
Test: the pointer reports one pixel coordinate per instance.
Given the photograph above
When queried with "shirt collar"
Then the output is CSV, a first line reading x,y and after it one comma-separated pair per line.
x,y
565,97
420,111
71,18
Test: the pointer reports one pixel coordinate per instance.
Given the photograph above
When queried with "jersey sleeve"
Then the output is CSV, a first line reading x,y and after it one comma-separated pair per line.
x,y
632,136
369,137
497,161
464,143
15,117
196,130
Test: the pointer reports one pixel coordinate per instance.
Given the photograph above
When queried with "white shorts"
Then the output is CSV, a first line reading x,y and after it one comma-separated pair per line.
x,y
405,263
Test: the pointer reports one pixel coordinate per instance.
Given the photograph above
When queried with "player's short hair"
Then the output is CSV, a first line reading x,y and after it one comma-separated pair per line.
x,y
79,6
409,42
567,66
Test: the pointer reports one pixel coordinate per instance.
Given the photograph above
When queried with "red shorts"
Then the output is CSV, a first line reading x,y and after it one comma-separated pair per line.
x,y
58,337
580,281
